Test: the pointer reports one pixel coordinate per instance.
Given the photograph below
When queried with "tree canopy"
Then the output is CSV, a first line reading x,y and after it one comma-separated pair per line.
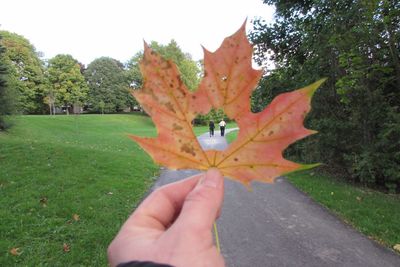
x,y
68,85
108,86
190,71
25,72
6,101
356,45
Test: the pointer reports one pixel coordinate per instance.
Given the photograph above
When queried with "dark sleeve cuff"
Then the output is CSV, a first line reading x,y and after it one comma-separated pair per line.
x,y
142,264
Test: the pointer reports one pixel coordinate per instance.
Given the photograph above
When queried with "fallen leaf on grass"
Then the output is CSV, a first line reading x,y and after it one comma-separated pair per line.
x,y
66,247
397,247
229,79
43,201
15,251
75,217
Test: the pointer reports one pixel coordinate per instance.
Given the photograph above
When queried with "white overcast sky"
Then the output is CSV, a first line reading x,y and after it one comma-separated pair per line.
x,y
89,29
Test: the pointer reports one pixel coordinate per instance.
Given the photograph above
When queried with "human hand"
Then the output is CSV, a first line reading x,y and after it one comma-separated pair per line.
x,y
173,225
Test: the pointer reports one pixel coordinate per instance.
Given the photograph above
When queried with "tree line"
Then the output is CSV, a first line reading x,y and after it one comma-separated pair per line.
x,y
355,44
30,85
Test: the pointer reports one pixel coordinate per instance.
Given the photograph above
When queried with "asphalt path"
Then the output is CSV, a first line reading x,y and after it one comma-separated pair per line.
x,y
277,225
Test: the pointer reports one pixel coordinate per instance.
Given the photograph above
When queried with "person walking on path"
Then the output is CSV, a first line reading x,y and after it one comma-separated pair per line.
x,y
212,127
222,126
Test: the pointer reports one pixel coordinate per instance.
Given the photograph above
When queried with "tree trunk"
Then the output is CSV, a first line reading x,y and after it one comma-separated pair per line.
x,y
392,47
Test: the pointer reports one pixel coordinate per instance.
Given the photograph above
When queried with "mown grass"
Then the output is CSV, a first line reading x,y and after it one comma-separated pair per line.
x,y
373,213
66,185
231,136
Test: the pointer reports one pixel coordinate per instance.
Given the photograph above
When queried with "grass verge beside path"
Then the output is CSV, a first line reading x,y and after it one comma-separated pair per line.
x,y
231,136
66,185
375,214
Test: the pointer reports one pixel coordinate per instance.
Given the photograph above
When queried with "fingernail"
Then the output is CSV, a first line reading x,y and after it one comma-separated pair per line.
x,y
212,178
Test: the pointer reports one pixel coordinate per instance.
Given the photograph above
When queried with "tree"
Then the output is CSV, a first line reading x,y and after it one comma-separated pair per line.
x,y
190,72
108,85
355,44
68,86
25,72
6,102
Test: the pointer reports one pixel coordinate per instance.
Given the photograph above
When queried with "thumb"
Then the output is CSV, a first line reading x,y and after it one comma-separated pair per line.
x,y
202,205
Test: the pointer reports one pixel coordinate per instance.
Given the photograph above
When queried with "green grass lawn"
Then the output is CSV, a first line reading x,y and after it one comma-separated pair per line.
x,y
231,136
373,213
69,180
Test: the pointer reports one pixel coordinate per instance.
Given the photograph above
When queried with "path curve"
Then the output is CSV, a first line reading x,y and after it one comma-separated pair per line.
x,y
278,225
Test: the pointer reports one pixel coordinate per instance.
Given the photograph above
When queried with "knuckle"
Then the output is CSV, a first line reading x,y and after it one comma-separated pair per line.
x,y
200,195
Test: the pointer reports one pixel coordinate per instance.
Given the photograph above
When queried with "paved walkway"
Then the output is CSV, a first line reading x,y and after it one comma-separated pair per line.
x,y
277,225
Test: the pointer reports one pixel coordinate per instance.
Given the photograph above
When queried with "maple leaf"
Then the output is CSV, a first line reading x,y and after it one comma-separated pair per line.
x,y
66,247
75,217
15,251
228,82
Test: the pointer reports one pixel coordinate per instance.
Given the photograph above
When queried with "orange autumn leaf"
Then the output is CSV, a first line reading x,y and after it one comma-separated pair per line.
x,y
15,251
228,82
66,247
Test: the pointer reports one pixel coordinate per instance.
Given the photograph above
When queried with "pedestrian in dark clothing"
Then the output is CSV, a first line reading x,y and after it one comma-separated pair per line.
x,y
212,127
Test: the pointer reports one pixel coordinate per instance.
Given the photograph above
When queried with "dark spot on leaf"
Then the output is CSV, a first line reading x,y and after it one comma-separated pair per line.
x,y
170,107
236,159
251,167
188,148
165,65
176,127
270,133
193,97
171,85
146,62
